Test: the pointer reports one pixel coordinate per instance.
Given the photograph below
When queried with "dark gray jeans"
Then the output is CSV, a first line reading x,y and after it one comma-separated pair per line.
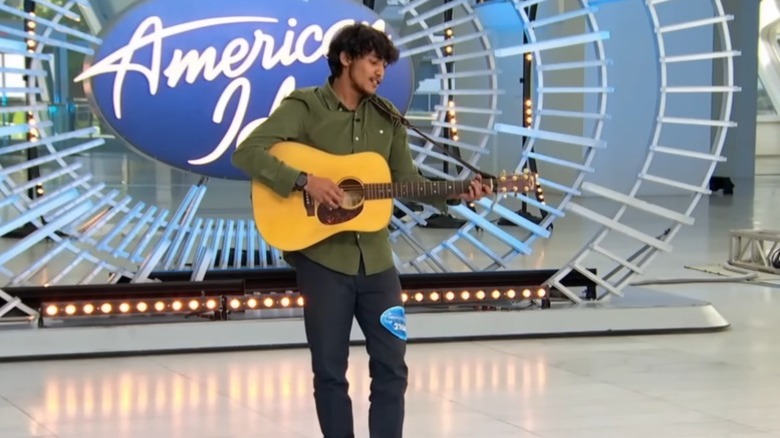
x,y
331,301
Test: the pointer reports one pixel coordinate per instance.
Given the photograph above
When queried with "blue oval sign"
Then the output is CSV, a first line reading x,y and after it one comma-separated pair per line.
x,y
185,81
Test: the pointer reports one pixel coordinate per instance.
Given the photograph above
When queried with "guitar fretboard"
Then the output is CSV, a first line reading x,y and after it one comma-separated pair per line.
x,y
420,189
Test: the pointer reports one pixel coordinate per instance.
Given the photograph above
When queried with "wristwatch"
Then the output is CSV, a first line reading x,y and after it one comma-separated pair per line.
x,y
301,181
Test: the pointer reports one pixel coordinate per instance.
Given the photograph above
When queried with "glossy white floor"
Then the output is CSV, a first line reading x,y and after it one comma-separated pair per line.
x,y
723,384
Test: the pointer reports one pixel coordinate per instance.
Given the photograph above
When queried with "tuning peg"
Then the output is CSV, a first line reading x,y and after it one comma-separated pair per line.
x,y
502,175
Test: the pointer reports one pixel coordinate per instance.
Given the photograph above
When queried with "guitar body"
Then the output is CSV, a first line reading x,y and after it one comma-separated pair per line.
x,y
297,222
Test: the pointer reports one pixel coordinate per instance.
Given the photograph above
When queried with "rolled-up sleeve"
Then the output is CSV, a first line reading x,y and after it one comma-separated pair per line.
x,y
286,123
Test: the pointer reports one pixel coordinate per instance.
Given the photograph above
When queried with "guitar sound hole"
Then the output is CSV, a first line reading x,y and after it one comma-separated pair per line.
x,y
351,206
353,194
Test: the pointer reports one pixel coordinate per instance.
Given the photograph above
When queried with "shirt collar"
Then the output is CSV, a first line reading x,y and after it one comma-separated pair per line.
x,y
332,100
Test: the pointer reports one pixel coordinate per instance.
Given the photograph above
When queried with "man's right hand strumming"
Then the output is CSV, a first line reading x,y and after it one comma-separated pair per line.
x,y
324,191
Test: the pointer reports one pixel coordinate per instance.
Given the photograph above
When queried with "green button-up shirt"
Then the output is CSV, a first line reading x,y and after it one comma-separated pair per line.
x,y
315,116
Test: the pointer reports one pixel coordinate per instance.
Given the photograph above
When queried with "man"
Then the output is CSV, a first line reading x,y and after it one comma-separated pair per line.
x,y
349,274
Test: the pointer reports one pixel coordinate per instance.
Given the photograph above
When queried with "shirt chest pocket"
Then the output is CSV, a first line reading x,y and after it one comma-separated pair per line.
x,y
381,139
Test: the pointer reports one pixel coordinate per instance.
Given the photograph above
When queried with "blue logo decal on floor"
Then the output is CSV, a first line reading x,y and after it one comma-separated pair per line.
x,y
394,320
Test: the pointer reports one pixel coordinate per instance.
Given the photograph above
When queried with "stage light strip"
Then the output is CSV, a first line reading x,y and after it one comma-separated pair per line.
x,y
151,306
129,307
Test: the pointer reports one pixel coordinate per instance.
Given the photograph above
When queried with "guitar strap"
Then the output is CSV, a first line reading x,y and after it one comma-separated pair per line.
x,y
396,117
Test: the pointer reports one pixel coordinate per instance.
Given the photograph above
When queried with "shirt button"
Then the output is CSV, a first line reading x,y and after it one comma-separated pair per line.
x,y
357,138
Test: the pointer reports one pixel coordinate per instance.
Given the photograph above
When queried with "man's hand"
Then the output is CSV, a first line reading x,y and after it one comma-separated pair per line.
x,y
477,190
324,191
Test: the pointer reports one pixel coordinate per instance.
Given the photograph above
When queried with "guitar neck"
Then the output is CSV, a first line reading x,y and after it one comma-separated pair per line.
x,y
421,189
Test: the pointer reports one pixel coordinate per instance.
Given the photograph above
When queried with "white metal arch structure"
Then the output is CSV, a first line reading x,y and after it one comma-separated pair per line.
x,y
97,234
103,235
769,49
102,232
504,246
624,250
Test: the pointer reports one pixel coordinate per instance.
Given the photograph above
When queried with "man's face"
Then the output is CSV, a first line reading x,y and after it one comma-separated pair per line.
x,y
366,73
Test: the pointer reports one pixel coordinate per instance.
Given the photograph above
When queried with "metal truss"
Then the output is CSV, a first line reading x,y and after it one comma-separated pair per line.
x,y
758,250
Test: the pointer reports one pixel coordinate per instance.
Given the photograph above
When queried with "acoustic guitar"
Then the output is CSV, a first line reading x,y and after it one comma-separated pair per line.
x,y
297,221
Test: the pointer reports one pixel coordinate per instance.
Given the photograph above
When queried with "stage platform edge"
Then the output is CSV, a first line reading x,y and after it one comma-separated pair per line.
x,y
640,311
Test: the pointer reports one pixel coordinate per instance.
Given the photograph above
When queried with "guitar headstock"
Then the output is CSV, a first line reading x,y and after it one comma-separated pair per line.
x,y
516,183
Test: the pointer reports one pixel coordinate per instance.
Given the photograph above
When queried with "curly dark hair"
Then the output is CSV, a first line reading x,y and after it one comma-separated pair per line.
x,y
358,40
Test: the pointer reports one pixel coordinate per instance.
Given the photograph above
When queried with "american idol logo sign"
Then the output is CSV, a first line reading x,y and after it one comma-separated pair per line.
x,y
184,81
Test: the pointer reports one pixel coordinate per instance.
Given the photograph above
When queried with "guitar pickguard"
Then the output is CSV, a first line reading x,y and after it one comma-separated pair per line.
x,y
337,215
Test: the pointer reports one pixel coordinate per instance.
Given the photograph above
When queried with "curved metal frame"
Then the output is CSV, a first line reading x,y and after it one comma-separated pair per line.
x,y
76,214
